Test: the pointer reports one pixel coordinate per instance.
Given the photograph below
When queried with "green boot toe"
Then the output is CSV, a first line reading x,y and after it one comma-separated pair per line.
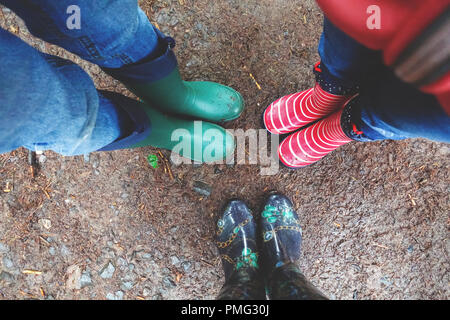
x,y
196,140
198,99
200,141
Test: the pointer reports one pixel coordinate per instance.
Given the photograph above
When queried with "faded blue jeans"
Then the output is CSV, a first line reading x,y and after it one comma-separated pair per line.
x,y
386,108
47,103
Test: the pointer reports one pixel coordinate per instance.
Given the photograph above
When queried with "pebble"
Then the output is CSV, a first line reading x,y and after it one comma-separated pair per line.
x,y
108,271
52,251
85,280
173,21
122,263
6,276
64,250
385,281
356,267
186,266
46,223
127,285
146,256
174,260
168,283
444,150
42,159
158,254
7,263
198,26
73,275
158,296
3,248
202,188
146,292
118,295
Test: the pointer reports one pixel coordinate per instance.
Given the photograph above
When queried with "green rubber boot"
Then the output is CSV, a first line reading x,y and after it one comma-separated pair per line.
x,y
200,141
157,81
199,100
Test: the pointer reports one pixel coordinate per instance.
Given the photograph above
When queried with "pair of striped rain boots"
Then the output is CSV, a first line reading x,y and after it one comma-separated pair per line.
x,y
321,106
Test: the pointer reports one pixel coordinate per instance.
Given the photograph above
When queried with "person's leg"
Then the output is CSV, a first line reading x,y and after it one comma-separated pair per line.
x,y
388,108
344,61
344,65
288,283
282,239
117,36
112,33
236,241
385,107
48,103
243,285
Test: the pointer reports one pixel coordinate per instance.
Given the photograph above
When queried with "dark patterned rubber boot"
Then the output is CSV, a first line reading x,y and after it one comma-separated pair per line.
x,y
282,239
236,241
281,232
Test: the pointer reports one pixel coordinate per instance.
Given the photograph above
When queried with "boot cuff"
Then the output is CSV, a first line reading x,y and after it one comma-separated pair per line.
x,y
331,84
134,109
349,121
151,69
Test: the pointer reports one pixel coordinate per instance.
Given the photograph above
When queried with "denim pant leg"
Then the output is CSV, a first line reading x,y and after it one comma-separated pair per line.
x,y
288,283
111,33
345,59
387,108
47,103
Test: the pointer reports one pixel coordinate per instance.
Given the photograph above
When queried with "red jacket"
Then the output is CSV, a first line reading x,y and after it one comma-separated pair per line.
x,y
414,36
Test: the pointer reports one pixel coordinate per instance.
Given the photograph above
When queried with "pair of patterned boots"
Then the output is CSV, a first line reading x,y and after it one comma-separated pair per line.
x,y
316,116
260,262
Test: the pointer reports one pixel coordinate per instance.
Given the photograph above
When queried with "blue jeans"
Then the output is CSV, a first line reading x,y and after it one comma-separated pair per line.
x,y
48,103
386,108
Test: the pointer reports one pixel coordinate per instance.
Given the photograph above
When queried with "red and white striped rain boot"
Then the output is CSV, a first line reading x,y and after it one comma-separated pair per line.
x,y
310,145
295,111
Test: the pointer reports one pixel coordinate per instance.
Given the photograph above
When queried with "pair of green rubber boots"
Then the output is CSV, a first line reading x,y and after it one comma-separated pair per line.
x,y
181,115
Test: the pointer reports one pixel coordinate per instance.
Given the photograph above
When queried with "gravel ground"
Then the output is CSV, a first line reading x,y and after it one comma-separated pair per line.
x,y
108,226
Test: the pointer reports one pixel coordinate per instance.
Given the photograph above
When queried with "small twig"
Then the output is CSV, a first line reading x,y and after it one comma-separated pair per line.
x,y
166,165
380,246
208,263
